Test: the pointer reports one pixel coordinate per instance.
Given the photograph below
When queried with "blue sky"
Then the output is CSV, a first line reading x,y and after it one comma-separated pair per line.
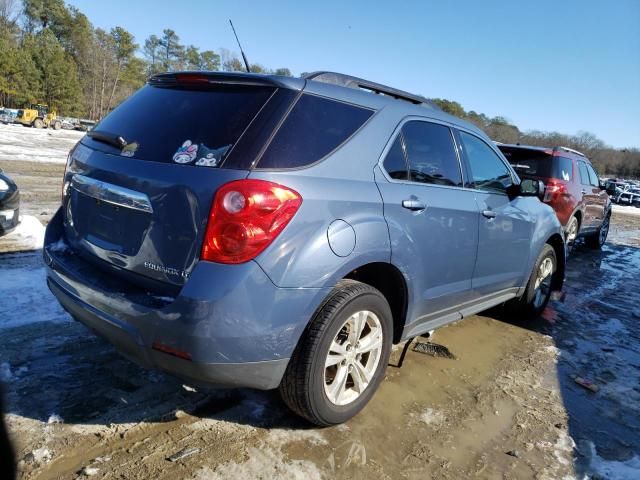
x,y
549,65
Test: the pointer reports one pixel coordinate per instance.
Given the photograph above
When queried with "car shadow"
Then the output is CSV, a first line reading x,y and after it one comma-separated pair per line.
x,y
595,324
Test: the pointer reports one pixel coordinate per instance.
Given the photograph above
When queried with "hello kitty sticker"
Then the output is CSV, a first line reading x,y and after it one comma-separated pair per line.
x,y
187,153
206,157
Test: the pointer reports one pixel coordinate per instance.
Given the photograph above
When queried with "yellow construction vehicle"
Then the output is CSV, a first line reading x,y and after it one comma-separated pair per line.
x,y
38,116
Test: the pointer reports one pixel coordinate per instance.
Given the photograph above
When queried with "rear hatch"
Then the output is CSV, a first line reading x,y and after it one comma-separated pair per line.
x,y
138,188
535,163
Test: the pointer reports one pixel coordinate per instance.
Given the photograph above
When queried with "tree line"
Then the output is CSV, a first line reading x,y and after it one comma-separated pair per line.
x,y
620,162
51,53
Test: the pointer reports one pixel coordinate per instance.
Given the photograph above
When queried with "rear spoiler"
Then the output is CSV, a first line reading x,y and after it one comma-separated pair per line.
x,y
225,78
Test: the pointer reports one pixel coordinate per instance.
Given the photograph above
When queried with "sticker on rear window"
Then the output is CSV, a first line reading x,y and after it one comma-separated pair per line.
x,y
130,149
210,157
187,153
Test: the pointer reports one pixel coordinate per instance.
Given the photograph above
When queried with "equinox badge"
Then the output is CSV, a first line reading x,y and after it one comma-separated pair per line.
x,y
167,270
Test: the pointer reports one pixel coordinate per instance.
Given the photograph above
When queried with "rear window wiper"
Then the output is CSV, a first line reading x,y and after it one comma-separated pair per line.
x,y
108,138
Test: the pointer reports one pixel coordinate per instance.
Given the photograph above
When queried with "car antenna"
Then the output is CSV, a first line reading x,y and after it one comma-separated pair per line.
x,y
244,57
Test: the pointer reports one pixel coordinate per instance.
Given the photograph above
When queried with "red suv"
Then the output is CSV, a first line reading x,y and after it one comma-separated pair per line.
x,y
573,189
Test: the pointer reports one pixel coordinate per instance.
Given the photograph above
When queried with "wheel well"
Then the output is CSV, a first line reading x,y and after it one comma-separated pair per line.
x,y
557,243
391,283
578,215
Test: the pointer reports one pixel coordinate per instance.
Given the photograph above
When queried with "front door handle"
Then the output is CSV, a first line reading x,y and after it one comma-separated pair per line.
x,y
413,205
489,214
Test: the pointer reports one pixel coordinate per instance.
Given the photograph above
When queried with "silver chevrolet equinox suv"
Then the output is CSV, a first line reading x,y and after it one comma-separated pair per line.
x,y
273,232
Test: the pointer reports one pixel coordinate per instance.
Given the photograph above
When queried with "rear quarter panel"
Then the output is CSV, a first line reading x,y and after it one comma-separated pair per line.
x,y
546,225
341,187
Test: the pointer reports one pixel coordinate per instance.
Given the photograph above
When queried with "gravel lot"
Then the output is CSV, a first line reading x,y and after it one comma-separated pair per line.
x,y
506,407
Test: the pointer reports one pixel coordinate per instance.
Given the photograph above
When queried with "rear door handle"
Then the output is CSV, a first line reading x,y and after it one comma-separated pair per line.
x,y
489,214
413,205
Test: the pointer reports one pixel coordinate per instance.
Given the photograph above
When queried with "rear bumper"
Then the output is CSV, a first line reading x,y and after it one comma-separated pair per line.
x,y
235,325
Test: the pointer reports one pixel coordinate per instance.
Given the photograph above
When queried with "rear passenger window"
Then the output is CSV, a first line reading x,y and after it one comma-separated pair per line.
x,y
584,174
314,128
395,163
593,176
431,155
488,171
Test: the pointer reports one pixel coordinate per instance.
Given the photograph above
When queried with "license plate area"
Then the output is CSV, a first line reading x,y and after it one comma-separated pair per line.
x,y
110,227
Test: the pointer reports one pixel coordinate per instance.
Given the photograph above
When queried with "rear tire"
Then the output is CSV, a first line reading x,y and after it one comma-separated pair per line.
x,y
342,356
597,240
38,123
538,291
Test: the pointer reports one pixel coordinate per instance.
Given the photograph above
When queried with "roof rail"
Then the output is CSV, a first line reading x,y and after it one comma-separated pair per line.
x,y
362,84
567,149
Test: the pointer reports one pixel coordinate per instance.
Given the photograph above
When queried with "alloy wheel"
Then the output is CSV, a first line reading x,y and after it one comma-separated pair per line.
x,y
353,357
542,286
572,231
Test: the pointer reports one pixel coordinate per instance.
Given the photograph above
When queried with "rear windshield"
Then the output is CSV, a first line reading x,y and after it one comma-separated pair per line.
x,y
539,164
315,127
185,126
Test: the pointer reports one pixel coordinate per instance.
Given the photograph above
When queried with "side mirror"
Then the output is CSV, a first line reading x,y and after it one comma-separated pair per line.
x,y
603,185
532,188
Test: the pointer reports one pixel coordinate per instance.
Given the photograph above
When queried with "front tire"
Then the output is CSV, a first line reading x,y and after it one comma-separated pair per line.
x,y
538,291
342,356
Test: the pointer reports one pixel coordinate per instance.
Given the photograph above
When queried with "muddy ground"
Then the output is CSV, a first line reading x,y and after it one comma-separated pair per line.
x,y
506,407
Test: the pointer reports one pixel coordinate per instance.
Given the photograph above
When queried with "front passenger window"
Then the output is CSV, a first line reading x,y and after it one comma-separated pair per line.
x,y
488,171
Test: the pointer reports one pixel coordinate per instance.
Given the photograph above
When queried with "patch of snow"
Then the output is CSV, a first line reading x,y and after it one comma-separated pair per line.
x,y
279,437
189,389
563,448
266,463
90,471
626,209
552,349
42,455
613,470
55,418
431,417
29,234
36,145
24,293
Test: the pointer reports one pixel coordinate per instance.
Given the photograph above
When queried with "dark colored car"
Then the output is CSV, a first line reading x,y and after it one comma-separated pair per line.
x,y
277,232
573,189
9,204
612,185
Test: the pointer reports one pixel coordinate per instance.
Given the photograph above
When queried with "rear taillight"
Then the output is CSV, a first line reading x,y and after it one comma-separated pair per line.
x,y
554,188
246,216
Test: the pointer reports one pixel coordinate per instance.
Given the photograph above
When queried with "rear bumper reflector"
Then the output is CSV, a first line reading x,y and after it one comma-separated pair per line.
x,y
171,351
